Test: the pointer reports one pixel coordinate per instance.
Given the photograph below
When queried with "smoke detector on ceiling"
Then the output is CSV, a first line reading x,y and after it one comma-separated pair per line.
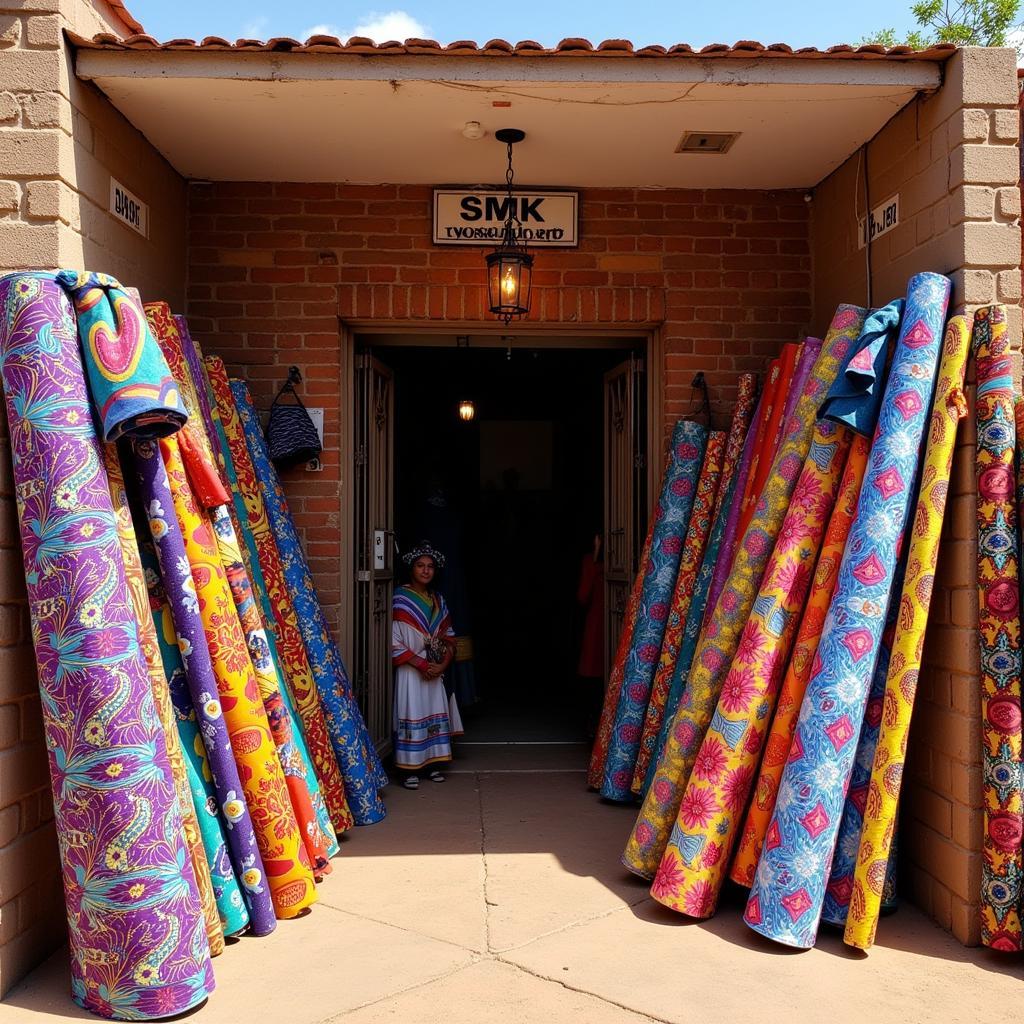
x,y
706,142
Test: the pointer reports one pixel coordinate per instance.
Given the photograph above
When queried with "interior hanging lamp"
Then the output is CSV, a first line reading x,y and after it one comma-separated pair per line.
x,y
467,410
510,266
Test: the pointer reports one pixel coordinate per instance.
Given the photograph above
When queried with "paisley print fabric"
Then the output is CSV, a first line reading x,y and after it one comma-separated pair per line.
x,y
132,388
722,630
161,695
998,633
138,945
786,899
355,753
876,841
226,891
182,596
809,352
686,581
791,695
298,673
671,517
693,867
289,872
771,400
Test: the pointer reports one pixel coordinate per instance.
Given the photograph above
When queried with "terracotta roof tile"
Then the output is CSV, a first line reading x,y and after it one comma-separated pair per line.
x,y
571,47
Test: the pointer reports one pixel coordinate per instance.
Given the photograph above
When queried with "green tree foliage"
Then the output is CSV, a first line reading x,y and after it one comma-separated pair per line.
x,y
964,22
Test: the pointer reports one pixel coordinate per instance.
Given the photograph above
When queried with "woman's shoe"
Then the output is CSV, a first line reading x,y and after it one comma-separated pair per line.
x,y
436,776
411,782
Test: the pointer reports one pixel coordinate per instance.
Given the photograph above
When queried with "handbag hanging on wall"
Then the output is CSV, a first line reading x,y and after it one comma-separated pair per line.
x,y
292,436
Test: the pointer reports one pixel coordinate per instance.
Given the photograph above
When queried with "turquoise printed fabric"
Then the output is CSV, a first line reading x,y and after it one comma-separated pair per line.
x,y
360,766
672,518
789,885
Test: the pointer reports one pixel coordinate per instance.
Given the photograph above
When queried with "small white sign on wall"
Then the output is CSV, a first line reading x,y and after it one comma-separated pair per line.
x,y
478,216
884,217
128,208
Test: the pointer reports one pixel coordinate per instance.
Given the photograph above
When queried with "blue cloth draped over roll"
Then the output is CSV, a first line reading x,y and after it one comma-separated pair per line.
x,y
132,388
357,757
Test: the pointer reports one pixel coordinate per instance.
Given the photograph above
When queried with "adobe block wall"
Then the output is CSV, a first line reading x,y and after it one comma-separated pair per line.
x,y
953,159
60,141
726,276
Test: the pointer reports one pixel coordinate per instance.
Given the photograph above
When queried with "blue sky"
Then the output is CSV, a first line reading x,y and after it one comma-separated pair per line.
x,y
797,23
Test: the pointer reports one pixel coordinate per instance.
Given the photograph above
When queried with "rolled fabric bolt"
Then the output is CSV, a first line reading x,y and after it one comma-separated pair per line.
x,y
686,580
998,633
356,755
137,938
786,898
294,661
180,587
672,515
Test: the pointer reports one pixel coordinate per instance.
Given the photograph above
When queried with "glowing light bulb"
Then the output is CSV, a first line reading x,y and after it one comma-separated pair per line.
x,y
467,410
508,285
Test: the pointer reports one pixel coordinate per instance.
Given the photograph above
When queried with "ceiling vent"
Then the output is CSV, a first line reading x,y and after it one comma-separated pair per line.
x,y
706,142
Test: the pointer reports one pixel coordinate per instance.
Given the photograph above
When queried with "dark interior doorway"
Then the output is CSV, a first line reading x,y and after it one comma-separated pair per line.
x,y
513,497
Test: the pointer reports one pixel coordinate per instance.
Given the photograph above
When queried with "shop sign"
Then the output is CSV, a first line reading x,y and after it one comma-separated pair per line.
x,y
128,208
478,216
884,217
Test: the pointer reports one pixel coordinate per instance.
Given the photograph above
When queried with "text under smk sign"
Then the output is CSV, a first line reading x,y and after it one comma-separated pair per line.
x,y
478,217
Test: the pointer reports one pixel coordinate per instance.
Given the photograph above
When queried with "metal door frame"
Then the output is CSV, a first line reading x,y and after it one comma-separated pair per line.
x,y
413,332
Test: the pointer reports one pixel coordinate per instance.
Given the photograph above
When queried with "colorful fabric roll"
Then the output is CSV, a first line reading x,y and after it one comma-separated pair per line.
x,y
182,596
809,352
161,696
672,516
791,695
138,945
352,747
278,719
721,633
839,887
298,673
228,896
599,751
771,399
132,388
268,663
693,867
686,581
856,396
786,898
998,633
289,872
732,510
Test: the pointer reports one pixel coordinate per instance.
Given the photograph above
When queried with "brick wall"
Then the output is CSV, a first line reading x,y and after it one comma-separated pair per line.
x,y
953,159
725,276
59,142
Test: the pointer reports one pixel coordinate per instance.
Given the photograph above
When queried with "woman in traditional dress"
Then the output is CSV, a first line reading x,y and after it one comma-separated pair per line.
x,y
422,649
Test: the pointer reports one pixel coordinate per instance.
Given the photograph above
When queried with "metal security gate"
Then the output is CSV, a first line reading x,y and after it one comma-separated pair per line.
x,y
374,535
624,490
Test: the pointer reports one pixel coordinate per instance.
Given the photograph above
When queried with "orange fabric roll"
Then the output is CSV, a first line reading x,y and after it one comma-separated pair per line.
x,y
289,873
791,695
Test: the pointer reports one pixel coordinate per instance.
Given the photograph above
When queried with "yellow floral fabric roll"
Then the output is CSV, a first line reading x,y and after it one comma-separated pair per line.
x,y
879,825
693,867
139,595
289,873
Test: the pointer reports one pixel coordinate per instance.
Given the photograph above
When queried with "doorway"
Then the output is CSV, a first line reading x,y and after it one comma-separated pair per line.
x,y
509,456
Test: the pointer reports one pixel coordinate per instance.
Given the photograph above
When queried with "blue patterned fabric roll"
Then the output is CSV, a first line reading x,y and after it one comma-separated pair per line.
x,y
672,517
789,885
357,757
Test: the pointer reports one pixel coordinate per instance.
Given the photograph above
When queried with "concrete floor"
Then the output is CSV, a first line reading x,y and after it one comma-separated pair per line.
x,y
498,896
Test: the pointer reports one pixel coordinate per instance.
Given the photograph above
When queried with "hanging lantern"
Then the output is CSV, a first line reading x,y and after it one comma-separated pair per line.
x,y
510,266
467,410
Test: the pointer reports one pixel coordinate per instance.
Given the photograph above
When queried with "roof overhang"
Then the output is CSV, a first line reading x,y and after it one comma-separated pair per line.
x,y
258,114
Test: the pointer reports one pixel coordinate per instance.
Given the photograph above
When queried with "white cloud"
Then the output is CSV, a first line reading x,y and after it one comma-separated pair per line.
x,y
255,28
379,26
1015,38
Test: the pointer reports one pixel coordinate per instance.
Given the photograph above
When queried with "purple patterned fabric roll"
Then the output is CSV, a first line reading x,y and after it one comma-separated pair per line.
x,y
138,941
195,655
809,352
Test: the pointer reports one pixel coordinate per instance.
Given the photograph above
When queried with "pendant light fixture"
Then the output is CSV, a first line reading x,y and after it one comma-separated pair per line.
x,y
510,266
467,410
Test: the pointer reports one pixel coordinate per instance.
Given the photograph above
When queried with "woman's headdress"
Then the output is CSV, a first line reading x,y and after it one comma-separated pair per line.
x,y
424,548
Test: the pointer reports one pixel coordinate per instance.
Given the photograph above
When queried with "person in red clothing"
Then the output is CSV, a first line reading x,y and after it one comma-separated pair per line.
x,y
590,669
